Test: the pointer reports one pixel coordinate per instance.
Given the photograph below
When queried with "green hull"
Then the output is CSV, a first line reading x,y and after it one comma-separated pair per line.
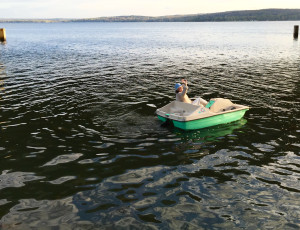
x,y
208,121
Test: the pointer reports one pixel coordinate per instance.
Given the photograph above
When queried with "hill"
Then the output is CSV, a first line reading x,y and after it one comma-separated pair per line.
x,y
246,15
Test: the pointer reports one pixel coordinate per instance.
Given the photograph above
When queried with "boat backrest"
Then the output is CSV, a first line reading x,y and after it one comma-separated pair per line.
x,y
220,105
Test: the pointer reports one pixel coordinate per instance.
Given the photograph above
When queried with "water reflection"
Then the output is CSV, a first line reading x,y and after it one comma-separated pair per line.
x,y
2,77
2,91
212,133
31,213
196,144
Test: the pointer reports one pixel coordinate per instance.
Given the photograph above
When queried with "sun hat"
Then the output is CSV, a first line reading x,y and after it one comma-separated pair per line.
x,y
177,85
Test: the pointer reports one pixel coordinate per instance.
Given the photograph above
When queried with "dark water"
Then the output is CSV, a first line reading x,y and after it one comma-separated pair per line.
x,y
80,147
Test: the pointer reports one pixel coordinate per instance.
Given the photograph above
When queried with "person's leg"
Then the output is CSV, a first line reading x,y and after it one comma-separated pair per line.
x,y
203,102
199,101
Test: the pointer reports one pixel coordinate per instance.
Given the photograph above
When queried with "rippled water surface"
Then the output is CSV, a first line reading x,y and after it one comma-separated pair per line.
x,y
80,146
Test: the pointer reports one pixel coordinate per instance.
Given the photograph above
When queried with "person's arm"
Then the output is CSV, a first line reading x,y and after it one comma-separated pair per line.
x,y
185,87
184,81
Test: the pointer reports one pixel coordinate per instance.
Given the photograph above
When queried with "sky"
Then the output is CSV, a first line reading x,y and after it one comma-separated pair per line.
x,y
99,8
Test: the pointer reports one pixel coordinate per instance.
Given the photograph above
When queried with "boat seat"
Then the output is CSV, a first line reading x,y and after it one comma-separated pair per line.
x,y
220,105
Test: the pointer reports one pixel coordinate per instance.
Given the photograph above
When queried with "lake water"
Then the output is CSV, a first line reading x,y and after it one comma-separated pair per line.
x,y
81,148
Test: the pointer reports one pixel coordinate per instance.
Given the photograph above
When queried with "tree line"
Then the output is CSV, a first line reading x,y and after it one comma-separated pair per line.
x,y
246,15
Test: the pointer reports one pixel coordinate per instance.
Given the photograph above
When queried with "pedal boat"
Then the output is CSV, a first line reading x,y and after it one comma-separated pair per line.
x,y
190,117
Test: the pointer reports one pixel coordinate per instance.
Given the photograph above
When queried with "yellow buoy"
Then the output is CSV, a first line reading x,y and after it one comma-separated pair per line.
x,y
2,35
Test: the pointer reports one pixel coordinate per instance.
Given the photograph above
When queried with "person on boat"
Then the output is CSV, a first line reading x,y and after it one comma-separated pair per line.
x,y
181,94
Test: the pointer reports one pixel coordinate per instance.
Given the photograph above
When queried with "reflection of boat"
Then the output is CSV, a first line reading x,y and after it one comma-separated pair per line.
x,y
188,116
194,143
211,133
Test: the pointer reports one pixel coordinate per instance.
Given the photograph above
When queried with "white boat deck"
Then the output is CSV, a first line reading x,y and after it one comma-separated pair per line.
x,y
181,111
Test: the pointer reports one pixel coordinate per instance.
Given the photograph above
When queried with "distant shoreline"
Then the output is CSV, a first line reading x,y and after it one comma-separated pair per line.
x,y
230,16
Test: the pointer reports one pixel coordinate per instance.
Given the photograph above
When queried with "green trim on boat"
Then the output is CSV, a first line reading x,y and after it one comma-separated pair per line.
x,y
163,119
209,104
208,121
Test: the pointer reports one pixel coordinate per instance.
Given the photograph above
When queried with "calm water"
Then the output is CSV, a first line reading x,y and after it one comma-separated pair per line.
x,y
80,147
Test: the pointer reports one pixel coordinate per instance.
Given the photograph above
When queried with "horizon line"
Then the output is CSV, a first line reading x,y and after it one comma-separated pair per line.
x,y
133,15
